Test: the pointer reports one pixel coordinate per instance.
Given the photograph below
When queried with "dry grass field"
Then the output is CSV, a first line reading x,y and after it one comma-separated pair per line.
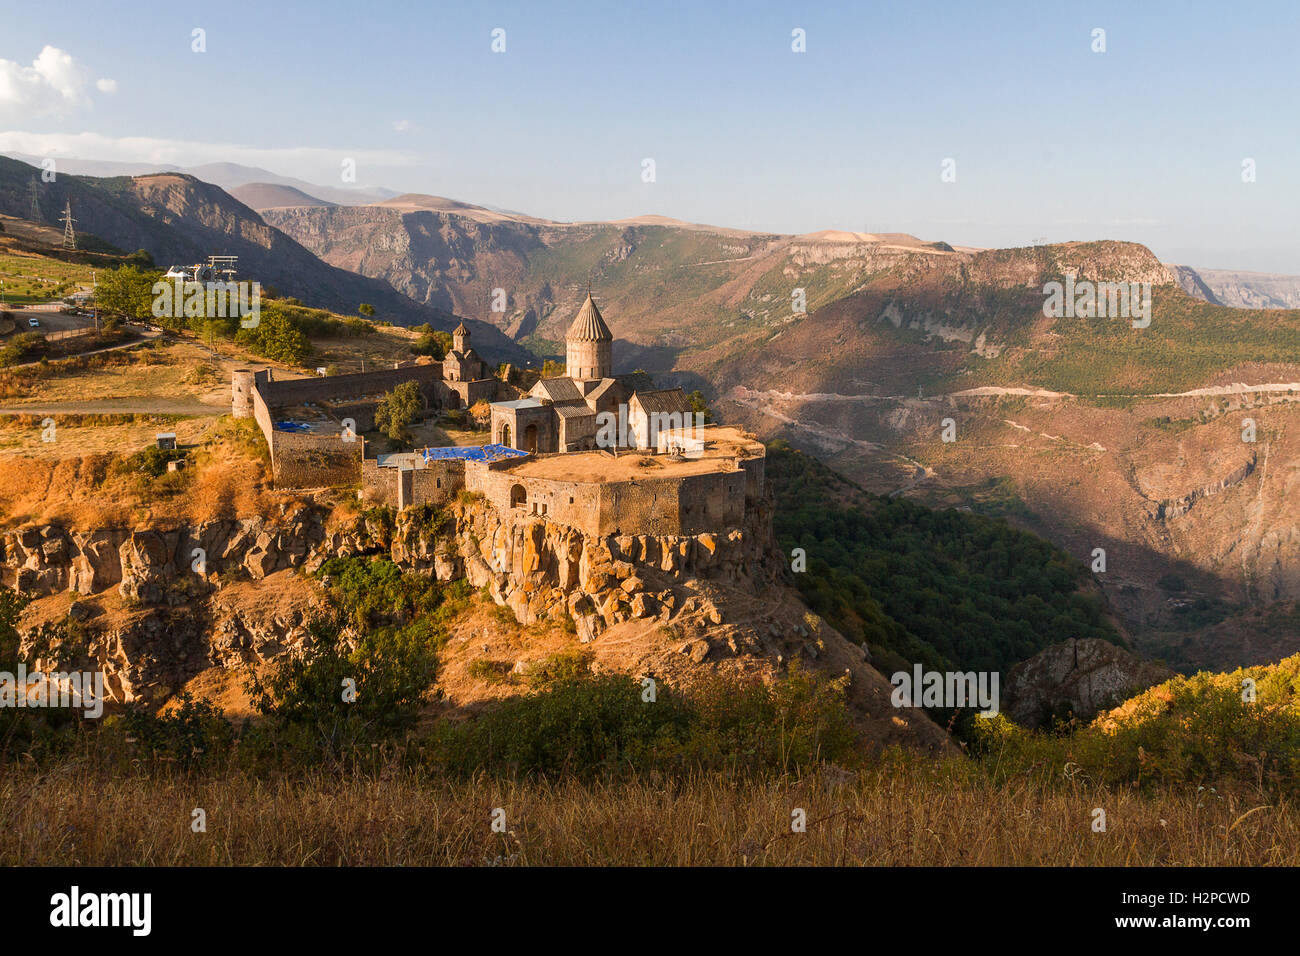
x,y
92,484
904,813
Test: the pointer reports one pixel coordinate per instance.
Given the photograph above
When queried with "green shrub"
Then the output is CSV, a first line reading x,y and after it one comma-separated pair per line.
x,y
194,733
581,723
490,671
348,689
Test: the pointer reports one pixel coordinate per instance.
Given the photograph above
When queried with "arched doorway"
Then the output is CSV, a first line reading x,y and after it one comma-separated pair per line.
x,y
505,436
518,497
530,439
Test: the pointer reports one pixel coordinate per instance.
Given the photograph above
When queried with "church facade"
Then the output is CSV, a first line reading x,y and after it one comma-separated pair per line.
x,y
466,376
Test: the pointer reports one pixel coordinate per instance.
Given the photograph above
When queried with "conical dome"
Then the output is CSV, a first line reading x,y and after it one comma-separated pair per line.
x,y
589,326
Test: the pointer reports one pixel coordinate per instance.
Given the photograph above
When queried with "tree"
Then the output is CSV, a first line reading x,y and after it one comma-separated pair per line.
x,y
431,342
699,404
366,309
276,337
127,292
480,414
11,608
397,410
378,679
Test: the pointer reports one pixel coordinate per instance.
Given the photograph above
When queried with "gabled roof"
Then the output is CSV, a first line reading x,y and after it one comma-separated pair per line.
x,y
557,390
573,411
662,400
599,391
589,326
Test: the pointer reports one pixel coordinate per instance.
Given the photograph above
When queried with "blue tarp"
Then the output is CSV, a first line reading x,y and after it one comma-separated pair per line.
x,y
472,453
288,426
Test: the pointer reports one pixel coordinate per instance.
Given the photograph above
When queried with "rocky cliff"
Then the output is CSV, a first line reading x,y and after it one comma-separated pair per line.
x,y
158,607
1239,290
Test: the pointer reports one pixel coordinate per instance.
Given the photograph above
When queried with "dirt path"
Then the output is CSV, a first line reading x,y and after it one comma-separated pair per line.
x,y
1237,388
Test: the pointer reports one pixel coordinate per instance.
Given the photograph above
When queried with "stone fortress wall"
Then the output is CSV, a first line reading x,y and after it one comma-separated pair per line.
x,y
672,505
681,504
327,455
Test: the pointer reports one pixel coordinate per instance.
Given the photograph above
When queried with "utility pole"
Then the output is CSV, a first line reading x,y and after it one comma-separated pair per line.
x,y
36,205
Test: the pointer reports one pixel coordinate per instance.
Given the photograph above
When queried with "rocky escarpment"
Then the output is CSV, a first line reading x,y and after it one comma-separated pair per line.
x,y
1077,677
158,607
1240,290
148,565
541,570
172,581
1176,507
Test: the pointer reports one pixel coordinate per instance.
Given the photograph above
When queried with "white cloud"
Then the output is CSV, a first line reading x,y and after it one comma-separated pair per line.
x,y
402,125
55,83
315,163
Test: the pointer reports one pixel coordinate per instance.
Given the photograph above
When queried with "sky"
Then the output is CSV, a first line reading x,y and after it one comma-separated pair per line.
x,y
981,124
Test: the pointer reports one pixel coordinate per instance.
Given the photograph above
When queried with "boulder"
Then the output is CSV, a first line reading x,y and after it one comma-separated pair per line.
x,y
1080,677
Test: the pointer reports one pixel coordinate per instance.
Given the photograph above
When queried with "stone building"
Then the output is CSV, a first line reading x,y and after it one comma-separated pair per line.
x,y
566,414
466,377
313,425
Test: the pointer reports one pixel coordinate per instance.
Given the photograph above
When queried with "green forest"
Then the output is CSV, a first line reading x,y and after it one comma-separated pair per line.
x,y
947,589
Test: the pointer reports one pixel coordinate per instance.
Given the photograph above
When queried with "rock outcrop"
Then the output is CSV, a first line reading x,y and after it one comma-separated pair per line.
x,y
1077,677
146,564
672,606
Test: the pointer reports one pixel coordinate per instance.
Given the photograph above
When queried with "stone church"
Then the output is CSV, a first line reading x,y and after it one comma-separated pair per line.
x,y
560,414
466,376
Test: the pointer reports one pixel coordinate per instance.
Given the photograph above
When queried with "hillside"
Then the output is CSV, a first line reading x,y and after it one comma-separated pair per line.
x,y
228,176
948,589
180,219
260,196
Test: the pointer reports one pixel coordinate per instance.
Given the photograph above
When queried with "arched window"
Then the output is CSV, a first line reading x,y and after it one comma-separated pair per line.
x,y
518,497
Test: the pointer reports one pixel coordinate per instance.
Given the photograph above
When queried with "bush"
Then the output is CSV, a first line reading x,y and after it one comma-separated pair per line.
x,y
24,347
375,592
151,461
347,689
194,733
490,671
580,723
1188,731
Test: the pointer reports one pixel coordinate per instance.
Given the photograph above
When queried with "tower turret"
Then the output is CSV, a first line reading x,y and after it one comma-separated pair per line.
x,y
589,345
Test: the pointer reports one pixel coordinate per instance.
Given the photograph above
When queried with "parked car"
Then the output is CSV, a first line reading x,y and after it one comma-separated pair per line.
x,y
33,322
